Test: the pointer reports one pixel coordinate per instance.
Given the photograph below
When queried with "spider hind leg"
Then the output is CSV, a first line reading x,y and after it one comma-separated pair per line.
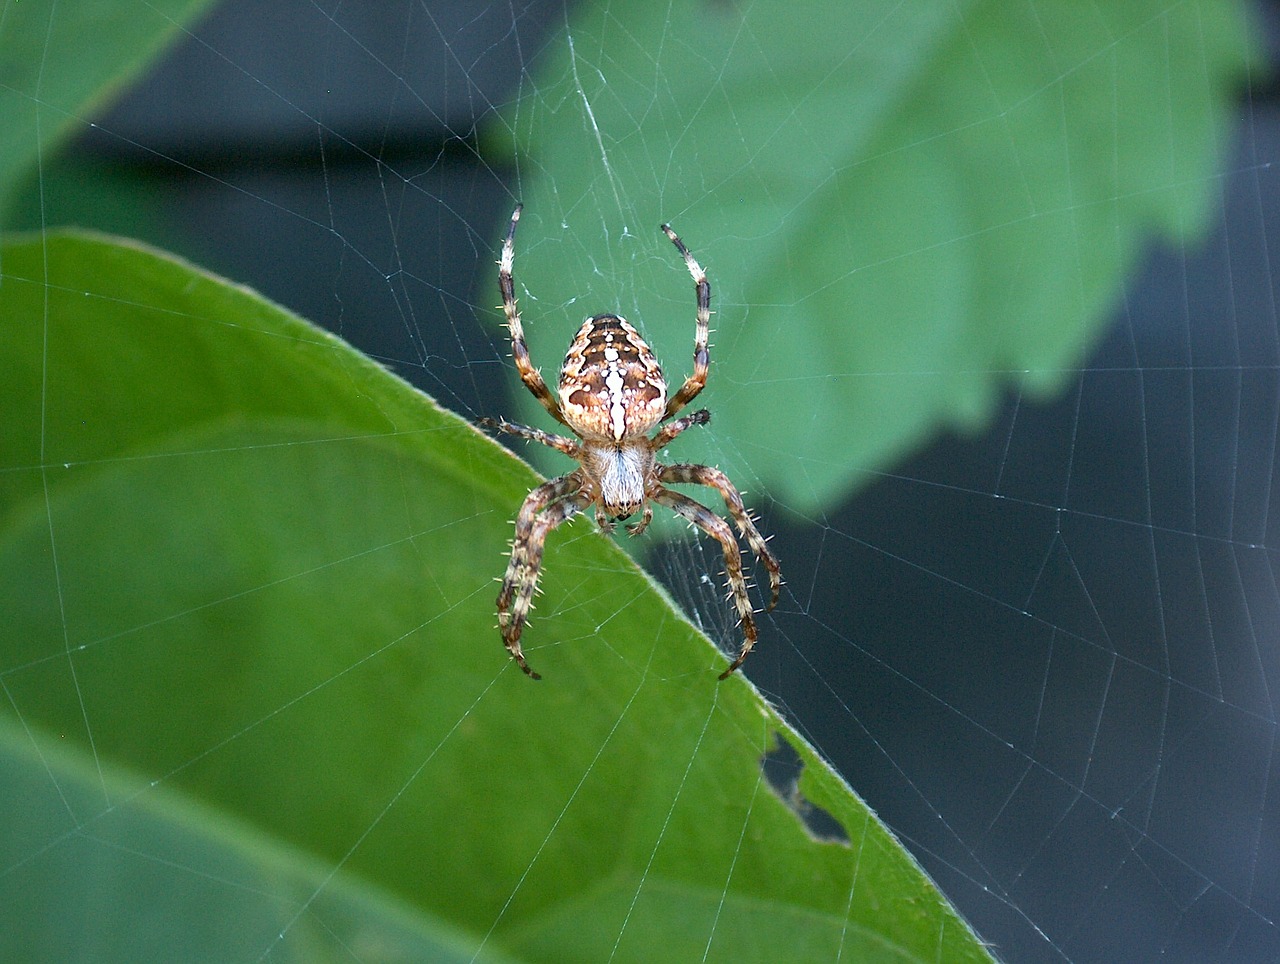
x,y
713,478
718,529
546,507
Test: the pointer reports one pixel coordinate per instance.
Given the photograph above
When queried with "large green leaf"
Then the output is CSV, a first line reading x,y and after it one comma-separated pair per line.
x,y
903,207
59,59
248,656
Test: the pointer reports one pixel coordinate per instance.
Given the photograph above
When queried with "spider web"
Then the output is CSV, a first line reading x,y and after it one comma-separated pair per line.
x,y
1045,654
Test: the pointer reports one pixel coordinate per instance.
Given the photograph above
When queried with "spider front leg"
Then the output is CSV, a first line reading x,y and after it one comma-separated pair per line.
x,y
715,479
545,508
531,377
718,529
701,358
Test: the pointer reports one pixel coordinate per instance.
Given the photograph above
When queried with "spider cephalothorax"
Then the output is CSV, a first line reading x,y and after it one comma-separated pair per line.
x,y
611,394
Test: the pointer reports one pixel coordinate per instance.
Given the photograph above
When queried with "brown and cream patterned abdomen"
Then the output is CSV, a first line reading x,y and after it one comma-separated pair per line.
x,y
611,386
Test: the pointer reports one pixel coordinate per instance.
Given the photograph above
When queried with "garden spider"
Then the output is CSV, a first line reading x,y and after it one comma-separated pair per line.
x,y
611,394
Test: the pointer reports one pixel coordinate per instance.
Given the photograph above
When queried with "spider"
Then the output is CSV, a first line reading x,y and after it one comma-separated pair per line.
x,y
611,393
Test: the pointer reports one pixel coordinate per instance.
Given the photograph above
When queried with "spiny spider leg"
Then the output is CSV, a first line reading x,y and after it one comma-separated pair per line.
x,y
645,518
544,508
672,429
701,359
558,442
718,529
531,377
715,479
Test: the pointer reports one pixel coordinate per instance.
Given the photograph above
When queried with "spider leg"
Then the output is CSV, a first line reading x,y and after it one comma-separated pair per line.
x,y
638,527
558,442
718,529
672,429
693,384
714,478
545,508
531,377
606,524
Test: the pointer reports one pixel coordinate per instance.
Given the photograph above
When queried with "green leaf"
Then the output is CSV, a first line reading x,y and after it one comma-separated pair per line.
x,y
61,59
155,876
904,208
256,703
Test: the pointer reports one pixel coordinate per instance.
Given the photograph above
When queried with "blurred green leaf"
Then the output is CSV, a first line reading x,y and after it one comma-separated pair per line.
x,y
61,59
904,208
249,596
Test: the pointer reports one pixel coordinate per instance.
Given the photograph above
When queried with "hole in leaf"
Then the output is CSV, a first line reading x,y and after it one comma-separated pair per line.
x,y
782,768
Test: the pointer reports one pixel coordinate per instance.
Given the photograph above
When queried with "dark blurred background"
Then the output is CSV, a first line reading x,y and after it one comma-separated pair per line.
x,y
1045,656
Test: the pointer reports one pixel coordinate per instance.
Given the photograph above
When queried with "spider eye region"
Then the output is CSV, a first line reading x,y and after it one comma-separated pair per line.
x,y
611,386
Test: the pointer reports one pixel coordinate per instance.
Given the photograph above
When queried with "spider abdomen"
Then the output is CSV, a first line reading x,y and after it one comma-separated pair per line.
x,y
611,386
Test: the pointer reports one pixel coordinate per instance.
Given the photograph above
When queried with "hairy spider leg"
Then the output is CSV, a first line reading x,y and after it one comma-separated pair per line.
x,y
543,509
701,358
718,529
715,479
558,442
531,377
669,431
